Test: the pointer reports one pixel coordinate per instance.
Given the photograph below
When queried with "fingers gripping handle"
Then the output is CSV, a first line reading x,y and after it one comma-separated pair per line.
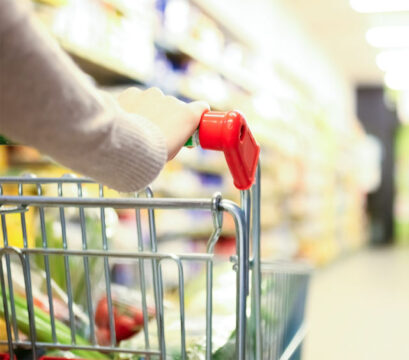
x,y
229,132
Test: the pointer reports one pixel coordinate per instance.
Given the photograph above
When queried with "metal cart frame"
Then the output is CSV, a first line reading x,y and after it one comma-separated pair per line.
x,y
247,266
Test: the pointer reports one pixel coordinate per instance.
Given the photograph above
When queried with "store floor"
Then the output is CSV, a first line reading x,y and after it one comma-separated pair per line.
x,y
359,308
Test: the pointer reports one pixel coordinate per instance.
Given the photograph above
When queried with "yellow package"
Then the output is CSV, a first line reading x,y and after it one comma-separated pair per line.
x,y
13,223
3,336
14,229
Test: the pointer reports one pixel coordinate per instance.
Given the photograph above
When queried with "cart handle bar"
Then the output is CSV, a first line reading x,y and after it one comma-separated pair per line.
x,y
229,132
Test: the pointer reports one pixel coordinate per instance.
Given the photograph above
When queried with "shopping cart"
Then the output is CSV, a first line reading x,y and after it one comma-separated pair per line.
x,y
268,326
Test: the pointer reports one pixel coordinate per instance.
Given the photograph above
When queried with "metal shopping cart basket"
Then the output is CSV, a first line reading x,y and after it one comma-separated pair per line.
x,y
269,297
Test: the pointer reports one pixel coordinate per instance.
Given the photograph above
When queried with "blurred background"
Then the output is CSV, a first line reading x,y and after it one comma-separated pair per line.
x,y
324,86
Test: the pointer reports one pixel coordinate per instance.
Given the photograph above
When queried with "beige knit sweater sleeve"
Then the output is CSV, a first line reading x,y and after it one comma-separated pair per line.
x,y
46,102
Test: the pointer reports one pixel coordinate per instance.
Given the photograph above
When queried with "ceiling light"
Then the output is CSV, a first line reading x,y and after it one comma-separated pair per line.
x,y
397,80
388,36
393,59
374,6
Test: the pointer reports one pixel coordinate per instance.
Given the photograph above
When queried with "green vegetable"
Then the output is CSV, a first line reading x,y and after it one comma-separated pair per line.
x,y
43,328
57,266
61,354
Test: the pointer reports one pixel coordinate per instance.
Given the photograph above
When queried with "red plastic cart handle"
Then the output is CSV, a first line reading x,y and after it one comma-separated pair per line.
x,y
228,132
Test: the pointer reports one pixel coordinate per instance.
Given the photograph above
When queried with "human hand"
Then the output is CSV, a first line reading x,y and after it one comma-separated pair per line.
x,y
176,119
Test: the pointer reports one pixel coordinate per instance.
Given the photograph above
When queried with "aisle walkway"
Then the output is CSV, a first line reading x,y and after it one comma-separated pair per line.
x,y
359,308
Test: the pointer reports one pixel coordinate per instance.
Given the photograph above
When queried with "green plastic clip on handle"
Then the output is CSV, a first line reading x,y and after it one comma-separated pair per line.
x,y
193,141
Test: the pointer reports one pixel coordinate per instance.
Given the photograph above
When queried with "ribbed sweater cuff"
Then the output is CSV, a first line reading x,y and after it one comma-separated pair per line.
x,y
145,155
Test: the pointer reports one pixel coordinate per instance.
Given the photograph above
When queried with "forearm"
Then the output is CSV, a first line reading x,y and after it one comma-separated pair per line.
x,y
46,102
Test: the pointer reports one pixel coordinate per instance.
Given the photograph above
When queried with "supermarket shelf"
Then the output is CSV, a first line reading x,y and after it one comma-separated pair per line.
x,y
224,22
239,77
186,93
108,71
102,67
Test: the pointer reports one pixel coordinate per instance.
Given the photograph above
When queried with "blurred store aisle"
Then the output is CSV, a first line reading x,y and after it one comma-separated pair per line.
x,y
359,308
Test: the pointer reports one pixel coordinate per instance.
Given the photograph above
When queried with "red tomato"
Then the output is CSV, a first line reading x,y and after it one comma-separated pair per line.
x,y
138,317
128,320
101,313
103,336
125,327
